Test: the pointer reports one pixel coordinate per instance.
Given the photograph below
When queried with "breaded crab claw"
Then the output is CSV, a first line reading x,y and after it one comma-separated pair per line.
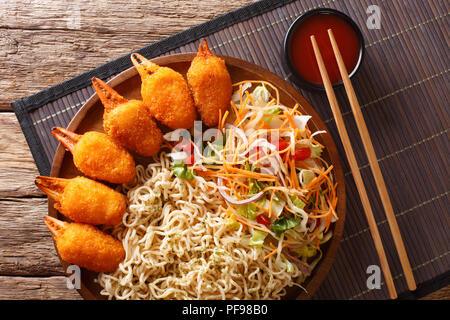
x,y
166,93
129,122
84,200
98,156
210,84
86,246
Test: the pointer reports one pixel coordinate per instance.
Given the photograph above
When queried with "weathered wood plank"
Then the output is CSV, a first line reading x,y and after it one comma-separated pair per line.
x,y
17,167
36,288
26,245
45,42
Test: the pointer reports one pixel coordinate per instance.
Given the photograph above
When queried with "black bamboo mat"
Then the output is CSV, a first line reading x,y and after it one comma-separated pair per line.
x,y
403,89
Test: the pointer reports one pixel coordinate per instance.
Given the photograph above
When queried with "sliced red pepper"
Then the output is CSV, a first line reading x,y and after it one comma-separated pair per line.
x,y
262,219
302,154
282,144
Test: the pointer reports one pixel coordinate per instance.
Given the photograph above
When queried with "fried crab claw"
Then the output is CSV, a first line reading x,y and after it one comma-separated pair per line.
x,y
143,65
86,246
108,96
129,122
166,93
98,156
210,83
84,200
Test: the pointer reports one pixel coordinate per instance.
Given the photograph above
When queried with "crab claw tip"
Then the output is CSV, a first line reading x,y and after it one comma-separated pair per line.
x,y
108,96
203,49
66,137
52,187
142,64
55,226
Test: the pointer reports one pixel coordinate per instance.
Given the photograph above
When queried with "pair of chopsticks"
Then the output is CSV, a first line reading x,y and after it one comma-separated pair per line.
x,y
373,162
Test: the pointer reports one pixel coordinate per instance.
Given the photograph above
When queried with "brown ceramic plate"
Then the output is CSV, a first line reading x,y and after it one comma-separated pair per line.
x,y
128,84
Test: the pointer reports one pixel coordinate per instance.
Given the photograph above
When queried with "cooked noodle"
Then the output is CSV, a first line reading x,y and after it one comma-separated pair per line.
x,y
178,245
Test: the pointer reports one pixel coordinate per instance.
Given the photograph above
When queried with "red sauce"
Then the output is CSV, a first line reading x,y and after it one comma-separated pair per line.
x,y
302,53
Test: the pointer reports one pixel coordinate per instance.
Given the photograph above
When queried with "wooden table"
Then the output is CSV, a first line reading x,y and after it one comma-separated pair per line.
x,y
41,44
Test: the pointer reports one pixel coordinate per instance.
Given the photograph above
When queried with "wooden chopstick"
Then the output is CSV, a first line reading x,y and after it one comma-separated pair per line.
x,y
355,171
374,166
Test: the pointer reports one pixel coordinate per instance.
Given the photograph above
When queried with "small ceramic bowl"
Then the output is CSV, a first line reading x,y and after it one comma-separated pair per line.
x,y
287,59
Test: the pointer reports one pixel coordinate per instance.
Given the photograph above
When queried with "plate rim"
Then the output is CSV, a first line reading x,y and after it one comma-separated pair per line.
x,y
324,265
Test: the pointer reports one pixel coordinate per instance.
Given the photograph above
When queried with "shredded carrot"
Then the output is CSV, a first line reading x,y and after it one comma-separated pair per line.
x,y
242,111
294,110
319,216
317,142
241,184
252,174
262,208
205,173
225,116
237,175
220,122
231,184
284,124
315,234
316,202
290,120
294,175
319,211
288,209
260,159
234,108
321,176
275,251
331,215
270,204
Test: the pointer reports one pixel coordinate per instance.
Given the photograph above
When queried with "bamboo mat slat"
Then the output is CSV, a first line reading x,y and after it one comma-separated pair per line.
x,y
403,90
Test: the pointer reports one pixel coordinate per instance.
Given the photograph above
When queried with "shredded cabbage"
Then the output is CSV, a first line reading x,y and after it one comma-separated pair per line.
x,y
261,95
306,176
307,251
257,238
232,223
289,266
301,121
